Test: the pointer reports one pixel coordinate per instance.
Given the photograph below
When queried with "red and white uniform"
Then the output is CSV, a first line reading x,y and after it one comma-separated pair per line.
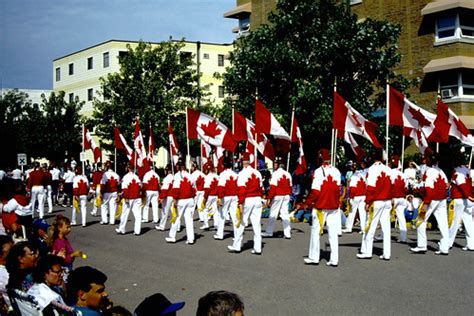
x,y
279,194
210,196
151,186
35,184
19,205
48,184
227,192
250,191
325,193
435,194
95,188
108,187
183,192
461,188
80,189
357,191
379,192
132,200
198,177
399,191
167,199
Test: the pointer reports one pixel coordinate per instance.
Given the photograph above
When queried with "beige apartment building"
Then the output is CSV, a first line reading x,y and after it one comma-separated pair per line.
x,y
78,74
436,43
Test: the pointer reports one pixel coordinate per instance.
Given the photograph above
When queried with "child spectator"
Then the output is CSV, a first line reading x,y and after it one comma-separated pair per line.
x,y
60,245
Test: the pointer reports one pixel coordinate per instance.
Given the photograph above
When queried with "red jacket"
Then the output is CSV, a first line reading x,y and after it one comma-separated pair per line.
x,y
166,186
461,183
80,185
210,184
399,188
131,186
183,186
280,183
357,185
36,178
379,183
96,177
325,189
436,185
227,185
249,183
151,181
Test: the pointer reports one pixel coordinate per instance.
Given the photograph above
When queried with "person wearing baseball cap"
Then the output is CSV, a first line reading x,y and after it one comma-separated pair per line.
x,y
157,304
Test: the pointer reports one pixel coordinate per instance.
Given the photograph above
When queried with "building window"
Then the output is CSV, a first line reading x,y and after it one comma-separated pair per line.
x,y
71,97
105,58
457,84
90,63
244,24
58,74
205,56
220,60
71,69
221,92
455,26
90,94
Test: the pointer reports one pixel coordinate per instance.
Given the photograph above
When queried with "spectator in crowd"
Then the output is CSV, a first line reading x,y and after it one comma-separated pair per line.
x,y
17,213
157,304
6,244
21,261
86,291
218,303
57,239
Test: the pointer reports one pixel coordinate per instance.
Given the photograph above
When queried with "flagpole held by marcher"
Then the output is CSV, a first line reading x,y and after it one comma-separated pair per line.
x,y
291,133
387,117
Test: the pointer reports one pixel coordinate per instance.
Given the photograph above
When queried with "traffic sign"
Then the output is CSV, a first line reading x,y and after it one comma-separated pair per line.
x,y
22,161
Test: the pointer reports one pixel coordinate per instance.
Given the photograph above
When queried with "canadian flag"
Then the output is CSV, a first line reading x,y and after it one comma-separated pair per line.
x,y
89,143
209,129
405,113
358,151
174,149
348,119
297,138
151,145
250,149
219,159
265,122
121,143
419,138
205,154
245,130
448,124
139,145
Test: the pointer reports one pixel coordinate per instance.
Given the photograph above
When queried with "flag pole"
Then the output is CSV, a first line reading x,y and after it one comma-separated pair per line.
x,y
403,150
332,143
438,96
291,135
255,157
334,135
470,158
135,156
387,116
200,144
170,150
115,148
83,147
188,155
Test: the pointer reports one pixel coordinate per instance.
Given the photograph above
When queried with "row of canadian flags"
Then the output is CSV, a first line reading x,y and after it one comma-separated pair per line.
x,y
419,124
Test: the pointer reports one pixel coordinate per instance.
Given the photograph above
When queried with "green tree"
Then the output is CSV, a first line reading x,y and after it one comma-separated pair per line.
x,y
154,83
295,59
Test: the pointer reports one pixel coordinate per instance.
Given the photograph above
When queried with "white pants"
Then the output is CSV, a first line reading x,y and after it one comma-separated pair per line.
x,y
198,199
357,205
165,209
382,214
279,205
109,200
229,206
333,221
49,198
462,211
253,210
210,209
185,207
94,203
135,205
439,210
400,205
82,200
37,195
151,197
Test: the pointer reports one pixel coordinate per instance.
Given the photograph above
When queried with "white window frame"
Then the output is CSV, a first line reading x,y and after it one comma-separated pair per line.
x,y
58,74
459,88
458,36
105,60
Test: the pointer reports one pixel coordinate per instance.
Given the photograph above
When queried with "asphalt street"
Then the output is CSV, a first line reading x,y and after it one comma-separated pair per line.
x,y
277,282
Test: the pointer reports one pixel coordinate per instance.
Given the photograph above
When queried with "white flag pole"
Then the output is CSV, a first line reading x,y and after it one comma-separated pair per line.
x,y
188,155
171,151
387,116
83,147
403,150
291,134
115,148
334,135
470,158
256,136
332,143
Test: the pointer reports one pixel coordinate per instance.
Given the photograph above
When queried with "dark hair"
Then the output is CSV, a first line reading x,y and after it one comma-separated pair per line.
x,y
4,239
44,265
219,303
17,275
81,279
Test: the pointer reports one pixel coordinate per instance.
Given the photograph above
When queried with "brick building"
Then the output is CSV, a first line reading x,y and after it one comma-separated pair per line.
x,y
436,43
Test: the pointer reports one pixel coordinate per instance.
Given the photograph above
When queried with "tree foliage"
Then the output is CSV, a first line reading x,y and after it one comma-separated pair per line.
x,y
47,130
154,83
295,60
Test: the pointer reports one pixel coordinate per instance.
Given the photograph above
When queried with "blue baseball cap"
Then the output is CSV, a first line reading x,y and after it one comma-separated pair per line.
x,y
157,304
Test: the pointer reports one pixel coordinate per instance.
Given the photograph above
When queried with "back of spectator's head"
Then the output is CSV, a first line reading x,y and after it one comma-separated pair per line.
x,y
44,266
86,287
119,311
6,244
220,303
157,304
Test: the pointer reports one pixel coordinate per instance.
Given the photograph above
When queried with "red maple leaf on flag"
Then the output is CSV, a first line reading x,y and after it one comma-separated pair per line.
x,y
253,183
354,117
283,182
420,118
211,129
439,187
330,185
461,127
360,186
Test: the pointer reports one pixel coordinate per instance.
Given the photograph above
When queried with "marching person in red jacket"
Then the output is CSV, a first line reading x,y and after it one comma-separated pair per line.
x,y
435,189
461,190
279,195
357,190
36,181
95,188
80,188
165,198
250,191
198,177
399,190
151,187
210,197
379,196
227,192
108,188
324,197
183,192
132,200
48,189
